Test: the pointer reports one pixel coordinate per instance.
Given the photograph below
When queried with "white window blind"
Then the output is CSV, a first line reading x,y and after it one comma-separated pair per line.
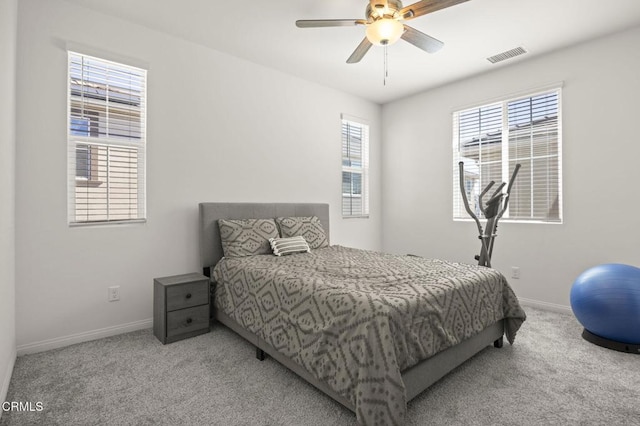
x,y
106,141
492,139
355,168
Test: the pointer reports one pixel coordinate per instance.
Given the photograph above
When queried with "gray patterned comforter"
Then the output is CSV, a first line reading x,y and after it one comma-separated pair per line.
x,y
356,319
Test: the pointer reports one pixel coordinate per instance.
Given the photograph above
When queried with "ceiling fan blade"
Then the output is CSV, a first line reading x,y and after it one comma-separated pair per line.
x,y
318,23
421,40
380,6
426,6
360,51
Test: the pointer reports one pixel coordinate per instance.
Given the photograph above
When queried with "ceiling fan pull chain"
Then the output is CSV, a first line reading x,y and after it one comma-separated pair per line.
x,y
386,67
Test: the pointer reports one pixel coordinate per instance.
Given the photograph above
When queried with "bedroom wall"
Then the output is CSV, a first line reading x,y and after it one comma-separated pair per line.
x,y
219,129
8,28
600,169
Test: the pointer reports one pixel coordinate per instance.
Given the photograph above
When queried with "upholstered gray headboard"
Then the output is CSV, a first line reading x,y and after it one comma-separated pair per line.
x,y
210,246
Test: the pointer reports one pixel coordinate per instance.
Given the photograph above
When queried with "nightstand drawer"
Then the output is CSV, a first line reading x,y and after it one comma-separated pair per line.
x,y
187,295
187,320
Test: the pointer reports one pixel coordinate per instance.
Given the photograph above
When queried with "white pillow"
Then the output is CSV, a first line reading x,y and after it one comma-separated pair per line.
x,y
284,246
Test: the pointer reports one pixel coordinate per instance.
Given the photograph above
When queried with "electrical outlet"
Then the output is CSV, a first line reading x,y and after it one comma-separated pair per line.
x,y
515,272
113,294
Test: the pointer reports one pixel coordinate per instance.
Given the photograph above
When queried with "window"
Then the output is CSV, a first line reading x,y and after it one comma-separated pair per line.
x,y
355,167
106,141
492,139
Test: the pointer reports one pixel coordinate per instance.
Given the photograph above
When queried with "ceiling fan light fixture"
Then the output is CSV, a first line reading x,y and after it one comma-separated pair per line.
x,y
386,31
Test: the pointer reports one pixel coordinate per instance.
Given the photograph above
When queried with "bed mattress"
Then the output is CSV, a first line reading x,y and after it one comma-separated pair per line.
x,y
356,319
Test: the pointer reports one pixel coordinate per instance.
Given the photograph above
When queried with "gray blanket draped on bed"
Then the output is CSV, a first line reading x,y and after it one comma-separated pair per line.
x,y
356,319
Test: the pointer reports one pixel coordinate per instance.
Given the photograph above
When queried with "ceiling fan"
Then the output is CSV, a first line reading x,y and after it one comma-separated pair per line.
x,y
385,27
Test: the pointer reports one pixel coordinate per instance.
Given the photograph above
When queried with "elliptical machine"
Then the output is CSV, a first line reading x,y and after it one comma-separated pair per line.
x,y
492,211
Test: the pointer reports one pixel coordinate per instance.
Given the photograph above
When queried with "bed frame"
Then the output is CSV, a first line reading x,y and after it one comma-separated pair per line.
x,y
416,379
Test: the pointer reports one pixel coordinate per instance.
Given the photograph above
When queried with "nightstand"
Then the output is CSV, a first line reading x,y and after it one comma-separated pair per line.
x,y
180,307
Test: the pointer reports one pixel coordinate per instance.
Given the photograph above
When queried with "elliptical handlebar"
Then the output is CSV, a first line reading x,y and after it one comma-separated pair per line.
x,y
511,181
464,197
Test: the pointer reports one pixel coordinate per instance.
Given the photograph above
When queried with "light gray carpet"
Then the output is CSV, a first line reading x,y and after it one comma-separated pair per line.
x,y
550,376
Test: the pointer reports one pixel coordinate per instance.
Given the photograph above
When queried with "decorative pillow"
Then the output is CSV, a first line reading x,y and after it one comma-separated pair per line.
x,y
308,227
246,237
284,246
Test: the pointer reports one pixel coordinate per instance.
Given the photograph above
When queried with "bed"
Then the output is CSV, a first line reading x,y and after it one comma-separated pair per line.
x,y
370,330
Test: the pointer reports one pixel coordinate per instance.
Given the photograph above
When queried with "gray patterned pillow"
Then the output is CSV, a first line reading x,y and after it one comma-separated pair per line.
x,y
246,237
308,227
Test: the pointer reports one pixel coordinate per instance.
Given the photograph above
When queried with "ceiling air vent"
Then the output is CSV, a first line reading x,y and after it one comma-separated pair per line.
x,y
507,55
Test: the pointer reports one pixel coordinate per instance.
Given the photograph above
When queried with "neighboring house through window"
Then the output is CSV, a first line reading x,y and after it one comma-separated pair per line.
x,y
355,167
491,139
106,141
80,127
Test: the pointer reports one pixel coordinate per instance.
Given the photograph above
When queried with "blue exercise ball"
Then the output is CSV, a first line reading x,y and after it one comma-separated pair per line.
x,y
606,301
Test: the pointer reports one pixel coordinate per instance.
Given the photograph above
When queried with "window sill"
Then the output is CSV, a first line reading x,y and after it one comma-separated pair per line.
x,y
505,220
100,223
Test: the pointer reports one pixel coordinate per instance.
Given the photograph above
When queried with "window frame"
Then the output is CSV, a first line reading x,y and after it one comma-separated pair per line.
x,y
505,140
104,147
362,170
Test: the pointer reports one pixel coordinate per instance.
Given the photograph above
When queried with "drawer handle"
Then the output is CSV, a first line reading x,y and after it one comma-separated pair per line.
x,y
189,320
188,296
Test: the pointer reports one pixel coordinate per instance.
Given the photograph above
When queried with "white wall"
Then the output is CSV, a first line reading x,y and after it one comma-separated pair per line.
x,y
219,129
600,164
8,28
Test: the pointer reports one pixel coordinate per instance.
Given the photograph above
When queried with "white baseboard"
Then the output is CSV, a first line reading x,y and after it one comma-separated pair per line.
x,y
59,342
7,378
554,307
